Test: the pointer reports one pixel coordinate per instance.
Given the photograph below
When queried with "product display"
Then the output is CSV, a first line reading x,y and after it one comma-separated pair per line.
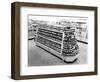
x,y
58,40
70,46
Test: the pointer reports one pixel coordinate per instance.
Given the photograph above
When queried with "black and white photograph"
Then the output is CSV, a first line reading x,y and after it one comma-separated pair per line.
x,y
50,40
57,40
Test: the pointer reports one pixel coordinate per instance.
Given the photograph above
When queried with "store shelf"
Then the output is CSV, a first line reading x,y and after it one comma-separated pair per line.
x,y
49,43
59,42
63,42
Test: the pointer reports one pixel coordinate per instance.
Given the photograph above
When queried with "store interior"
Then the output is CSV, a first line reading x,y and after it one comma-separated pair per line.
x,y
40,56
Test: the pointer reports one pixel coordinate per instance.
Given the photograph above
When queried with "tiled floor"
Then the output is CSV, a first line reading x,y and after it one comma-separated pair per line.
x,y
39,57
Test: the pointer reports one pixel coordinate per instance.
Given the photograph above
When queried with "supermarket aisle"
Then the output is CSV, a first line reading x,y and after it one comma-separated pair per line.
x,y
40,57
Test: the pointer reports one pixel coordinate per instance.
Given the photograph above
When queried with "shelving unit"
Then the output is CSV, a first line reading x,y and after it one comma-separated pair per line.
x,y
58,40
